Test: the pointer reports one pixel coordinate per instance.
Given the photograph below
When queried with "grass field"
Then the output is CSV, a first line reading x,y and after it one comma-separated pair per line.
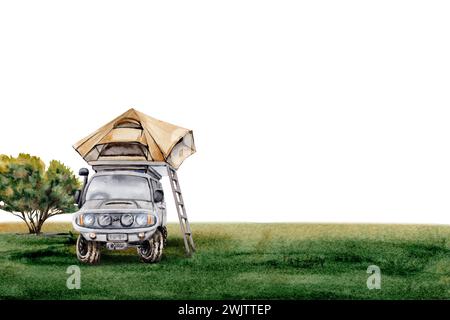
x,y
239,261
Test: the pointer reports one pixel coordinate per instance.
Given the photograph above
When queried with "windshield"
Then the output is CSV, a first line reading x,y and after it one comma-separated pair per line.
x,y
118,187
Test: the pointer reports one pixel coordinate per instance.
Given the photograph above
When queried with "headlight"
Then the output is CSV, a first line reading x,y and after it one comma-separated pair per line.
x,y
104,220
126,220
141,219
87,219
145,220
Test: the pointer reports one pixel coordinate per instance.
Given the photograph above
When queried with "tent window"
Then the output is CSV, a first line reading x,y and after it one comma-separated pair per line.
x,y
128,123
123,149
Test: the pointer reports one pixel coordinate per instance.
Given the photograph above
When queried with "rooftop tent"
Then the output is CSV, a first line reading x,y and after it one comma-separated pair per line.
x,y
136,136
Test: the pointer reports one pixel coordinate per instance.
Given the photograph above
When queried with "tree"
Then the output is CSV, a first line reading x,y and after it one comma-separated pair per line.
x,y
34,194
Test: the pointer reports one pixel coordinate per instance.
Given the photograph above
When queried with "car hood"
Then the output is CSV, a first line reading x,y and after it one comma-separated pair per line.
x,y
116,204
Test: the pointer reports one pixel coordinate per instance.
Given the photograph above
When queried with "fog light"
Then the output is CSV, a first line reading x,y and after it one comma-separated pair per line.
x,y
127,220
141,235
92,235
104,220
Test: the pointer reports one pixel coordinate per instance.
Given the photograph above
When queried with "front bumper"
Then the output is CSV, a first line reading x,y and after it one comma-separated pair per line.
x,y
101,235
135,234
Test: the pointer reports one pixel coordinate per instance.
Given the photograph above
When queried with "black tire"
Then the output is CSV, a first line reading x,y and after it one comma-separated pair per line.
x,y
165,234
88,251
151,250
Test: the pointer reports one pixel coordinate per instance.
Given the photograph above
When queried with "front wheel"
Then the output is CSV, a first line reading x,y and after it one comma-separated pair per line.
x,y
150,251
88,251
164,234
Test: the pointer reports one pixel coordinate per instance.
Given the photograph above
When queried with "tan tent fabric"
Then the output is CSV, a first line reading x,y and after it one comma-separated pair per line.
x,y
136,136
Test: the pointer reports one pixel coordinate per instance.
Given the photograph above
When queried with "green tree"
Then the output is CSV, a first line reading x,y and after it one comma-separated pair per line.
x,y
34,194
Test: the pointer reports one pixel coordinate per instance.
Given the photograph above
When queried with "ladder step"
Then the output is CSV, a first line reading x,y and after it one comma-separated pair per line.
x,y
179,203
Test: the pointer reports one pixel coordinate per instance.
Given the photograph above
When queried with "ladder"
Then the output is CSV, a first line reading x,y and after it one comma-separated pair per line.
x,y
181,210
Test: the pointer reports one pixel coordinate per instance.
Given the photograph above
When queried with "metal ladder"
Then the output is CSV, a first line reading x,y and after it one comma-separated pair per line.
x,y
181,209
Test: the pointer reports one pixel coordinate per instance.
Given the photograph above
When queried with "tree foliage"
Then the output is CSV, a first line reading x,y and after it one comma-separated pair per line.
x,y
33,192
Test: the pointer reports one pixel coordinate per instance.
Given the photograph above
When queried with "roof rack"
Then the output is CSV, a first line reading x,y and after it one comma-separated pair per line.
x,y
157,169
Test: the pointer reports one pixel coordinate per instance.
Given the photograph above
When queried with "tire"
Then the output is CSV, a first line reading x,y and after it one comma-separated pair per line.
x,y
165,234
88,251
151,250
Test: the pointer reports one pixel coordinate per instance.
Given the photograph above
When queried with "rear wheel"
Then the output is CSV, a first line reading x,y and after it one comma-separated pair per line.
x,y
150,251
88,251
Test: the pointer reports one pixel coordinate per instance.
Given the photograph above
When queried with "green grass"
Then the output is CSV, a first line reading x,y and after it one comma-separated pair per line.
x,y
239,261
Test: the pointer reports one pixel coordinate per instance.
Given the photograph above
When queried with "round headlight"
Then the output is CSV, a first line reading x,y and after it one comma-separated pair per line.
x,y
126,220
104,220
141,219
88,219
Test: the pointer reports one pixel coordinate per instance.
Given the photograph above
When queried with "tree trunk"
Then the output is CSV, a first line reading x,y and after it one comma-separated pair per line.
x,y
38,228
35,228
32,230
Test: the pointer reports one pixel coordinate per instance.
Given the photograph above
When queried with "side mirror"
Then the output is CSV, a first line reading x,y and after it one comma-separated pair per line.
x,y
158,196
77,196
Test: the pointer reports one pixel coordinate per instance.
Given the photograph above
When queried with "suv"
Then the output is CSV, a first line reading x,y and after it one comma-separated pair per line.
x,y
120,207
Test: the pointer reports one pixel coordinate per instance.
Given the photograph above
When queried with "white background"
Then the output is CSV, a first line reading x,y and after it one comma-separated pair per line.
x,y
333,111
